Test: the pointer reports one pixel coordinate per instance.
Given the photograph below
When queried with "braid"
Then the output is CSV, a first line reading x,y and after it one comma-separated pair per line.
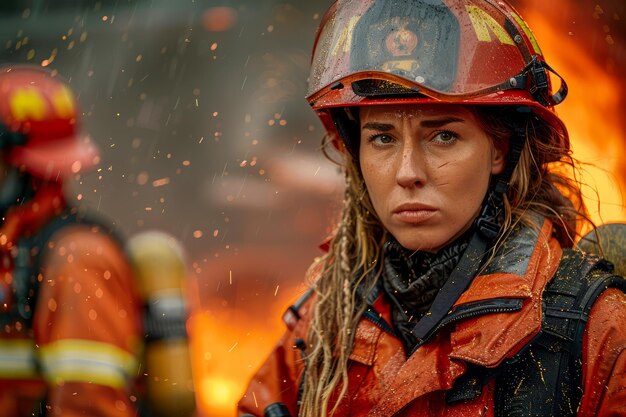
x,y
352,256
345,334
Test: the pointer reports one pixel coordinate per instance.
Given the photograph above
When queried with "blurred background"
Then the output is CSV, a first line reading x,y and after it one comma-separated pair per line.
x,y
198,107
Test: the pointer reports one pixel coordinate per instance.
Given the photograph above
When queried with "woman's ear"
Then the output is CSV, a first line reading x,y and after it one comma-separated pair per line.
x,y
498,157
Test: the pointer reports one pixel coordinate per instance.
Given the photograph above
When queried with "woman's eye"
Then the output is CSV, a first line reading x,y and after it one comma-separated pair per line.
x,y
446,137
381,139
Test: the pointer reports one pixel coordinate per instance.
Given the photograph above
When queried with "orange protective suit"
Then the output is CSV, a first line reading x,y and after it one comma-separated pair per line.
x,y
78,354
382,381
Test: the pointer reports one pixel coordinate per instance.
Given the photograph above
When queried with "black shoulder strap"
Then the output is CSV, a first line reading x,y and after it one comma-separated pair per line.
x,y
545,377
29,257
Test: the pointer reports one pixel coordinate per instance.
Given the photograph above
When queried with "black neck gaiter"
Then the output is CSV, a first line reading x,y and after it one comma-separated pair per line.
x,y
413,279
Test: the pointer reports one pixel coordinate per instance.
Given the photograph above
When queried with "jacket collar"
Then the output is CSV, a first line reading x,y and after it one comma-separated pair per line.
x,y
520,270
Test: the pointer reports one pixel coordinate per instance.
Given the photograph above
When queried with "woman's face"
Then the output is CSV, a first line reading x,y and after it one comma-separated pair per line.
x,y
427,170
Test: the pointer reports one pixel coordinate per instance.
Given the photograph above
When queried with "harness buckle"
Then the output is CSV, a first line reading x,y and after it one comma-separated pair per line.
x,y
488,227
488,222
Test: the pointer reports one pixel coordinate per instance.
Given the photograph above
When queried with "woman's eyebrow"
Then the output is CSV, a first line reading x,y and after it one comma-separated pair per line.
x,y
434,123
381,127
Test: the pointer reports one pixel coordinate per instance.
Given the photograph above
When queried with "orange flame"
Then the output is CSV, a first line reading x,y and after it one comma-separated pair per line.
x,y
229,343
227,349
592,114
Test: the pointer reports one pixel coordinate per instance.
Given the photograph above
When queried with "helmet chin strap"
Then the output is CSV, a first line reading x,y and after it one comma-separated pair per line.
x,y
486,230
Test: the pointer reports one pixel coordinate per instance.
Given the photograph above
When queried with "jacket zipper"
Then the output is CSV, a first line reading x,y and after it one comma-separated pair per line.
x,y
373,316
501,305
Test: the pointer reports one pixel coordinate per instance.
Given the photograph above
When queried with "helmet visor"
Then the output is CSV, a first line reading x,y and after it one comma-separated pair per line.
x,y
451,48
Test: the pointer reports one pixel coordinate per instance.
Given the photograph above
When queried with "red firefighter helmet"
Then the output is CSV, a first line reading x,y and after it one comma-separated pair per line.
x,y
39,124
376,52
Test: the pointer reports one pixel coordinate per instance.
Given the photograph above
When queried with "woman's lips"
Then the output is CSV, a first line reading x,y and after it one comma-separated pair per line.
x,y
414,213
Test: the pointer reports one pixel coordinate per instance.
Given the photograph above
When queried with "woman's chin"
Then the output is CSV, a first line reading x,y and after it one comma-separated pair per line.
x,y
414,243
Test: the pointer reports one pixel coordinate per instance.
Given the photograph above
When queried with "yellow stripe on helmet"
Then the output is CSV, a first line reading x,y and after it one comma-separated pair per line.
x,y
27,103
344,43
483,23
528,33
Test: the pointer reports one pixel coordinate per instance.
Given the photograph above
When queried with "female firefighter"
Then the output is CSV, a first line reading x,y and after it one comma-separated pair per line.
x,y
452,285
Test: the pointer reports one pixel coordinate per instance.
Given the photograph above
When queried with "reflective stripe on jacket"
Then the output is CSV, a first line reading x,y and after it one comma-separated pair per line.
x,y
483,329
18,359
85,336
87,361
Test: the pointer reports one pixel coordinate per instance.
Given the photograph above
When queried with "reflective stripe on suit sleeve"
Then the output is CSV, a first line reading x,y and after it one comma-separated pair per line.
x,y
87,361
17,359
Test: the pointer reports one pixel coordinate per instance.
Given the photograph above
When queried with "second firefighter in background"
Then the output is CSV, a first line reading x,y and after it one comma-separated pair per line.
x,y
72,336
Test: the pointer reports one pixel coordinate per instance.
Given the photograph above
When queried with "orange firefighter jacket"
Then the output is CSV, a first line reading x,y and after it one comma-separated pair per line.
x,y
382,381
80,353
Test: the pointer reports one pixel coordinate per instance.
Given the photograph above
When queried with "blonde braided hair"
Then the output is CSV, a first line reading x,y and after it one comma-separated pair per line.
x,y
350,261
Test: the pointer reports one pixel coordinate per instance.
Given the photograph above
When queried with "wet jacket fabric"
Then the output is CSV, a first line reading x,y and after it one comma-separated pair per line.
x,y
383,381
79,349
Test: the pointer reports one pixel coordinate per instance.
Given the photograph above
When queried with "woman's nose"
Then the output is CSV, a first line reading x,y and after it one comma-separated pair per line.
x,y
411,167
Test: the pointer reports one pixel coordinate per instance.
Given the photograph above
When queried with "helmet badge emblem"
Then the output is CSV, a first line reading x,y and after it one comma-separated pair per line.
x,y
401,42
400,45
